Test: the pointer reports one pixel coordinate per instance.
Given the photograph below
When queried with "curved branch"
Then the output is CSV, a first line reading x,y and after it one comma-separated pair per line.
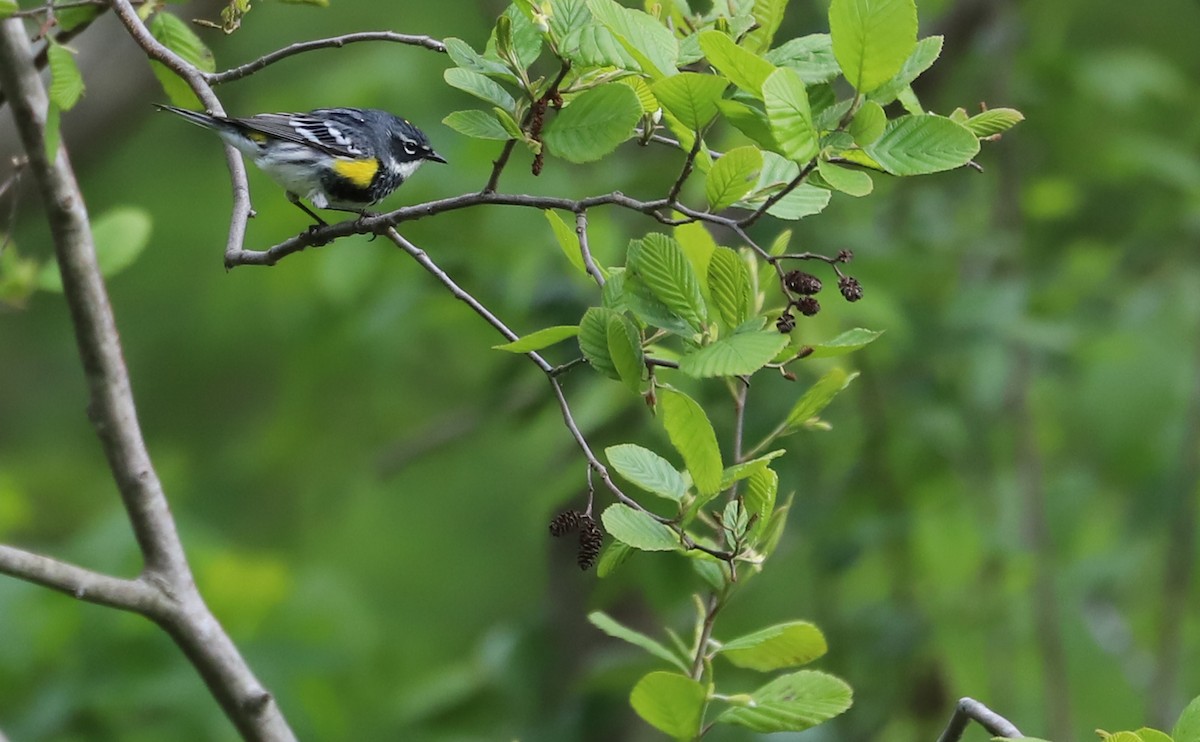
x,y
245,70
196,80
968,710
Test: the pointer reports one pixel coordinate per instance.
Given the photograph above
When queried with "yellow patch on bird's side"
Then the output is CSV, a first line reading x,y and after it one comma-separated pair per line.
x,y
257,137
358,172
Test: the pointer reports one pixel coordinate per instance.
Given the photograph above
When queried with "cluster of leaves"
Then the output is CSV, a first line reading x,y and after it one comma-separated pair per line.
x,y
1187,729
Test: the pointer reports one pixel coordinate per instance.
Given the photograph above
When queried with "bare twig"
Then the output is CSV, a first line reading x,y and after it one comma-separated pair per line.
x,y
968,710
779,195
166,591
581,225
688,163
237,73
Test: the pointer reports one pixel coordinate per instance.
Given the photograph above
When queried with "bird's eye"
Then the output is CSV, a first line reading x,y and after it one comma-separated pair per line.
x,y
410,147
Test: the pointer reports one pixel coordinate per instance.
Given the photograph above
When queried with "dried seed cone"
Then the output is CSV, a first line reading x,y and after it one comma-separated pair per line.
x,y
565,522
850,287
591,538
802,283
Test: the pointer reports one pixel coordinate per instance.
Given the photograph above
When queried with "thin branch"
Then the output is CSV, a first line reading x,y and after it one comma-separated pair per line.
x,y
688,163
779,195
581,224
502,161
710,617
196,80
245,70
968,710
94,587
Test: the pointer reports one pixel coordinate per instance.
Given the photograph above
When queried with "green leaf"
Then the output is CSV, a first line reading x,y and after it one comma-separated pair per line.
x,y
818,397
120,235
638,529
745,69
750,121
736,355
848,342
66,82
691,96
476,124
759,500
660,263
481,87
523,38
697,244
872,39
567,239
924,54
648,308
466,57
729,286
613,556
918,145
789,115
647,470
1187,729
540,339
610,626
851,182
868,123
671,703
177,36
8,7
747,469
1147,734
593,45
804,200
792,703
783,645
566,16
594,123
811,56
692,435
645,39
994,121
768,14
593,340
625,349
732,176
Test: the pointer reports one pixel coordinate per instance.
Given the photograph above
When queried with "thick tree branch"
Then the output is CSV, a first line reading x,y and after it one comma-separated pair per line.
x,y
177,606
968,710
245,70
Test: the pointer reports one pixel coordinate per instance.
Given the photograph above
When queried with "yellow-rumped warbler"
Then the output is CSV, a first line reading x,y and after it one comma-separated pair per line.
x,y
337,158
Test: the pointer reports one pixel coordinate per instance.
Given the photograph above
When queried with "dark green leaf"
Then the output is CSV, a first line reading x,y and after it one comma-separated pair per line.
x,y
613,556
594,123
648,308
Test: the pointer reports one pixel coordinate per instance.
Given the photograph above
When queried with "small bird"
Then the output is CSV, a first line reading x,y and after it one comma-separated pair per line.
x,y
344,159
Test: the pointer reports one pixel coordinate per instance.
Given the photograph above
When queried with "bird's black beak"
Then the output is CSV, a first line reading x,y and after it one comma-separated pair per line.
x,y
435,157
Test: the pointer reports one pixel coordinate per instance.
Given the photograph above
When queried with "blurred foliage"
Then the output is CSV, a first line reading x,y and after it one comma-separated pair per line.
x,y
364,490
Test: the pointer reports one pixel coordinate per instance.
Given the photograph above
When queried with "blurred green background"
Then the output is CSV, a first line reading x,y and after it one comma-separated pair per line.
x,y
1005,508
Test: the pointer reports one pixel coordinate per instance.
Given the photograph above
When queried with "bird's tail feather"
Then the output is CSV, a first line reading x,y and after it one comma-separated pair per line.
x,y
195,117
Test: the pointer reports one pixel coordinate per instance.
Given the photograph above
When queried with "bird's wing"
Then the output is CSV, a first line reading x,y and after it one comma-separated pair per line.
x,y
320,133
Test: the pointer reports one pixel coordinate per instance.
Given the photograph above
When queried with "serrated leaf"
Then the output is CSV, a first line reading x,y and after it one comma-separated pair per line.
x,y
174,34
783,645
851,182
595,122
120,236
744,69
872,39
540,339
66,82
480,86
523,38
768,14
566,16
645,39
616,630
593,340
466,57
660,263
729,286
818,397
1187,729
759,500
924,54
645,95
638,529
593,45
691,97
693,437
848,342
789,115
567,239
792,703
671,703
697,244
868,123
994,121
747,469
476,124
918,145
732,176
736,355
648,308
810,56
625,350
647,470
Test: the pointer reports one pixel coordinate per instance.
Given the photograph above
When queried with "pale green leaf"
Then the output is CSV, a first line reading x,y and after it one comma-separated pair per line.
x,y
524,38
648,308
594,123
697,244
1187,729
481,87
671,703
638,529
693,437
466,57
804,200
810,56
732,176
994,121
593,340
868,123
744,69
646,39
691,97
625,350
924,54
647,470
775,647
8,7
735,355
917,145
789,115
729,286
476,124
66,82
792,703
613,556
177,36
541,339
872,39
851,182
750,121
768,14
1146,734
593,45
660,263
747,469
616,630
120,236
848,342
818,397
567,239
759,500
